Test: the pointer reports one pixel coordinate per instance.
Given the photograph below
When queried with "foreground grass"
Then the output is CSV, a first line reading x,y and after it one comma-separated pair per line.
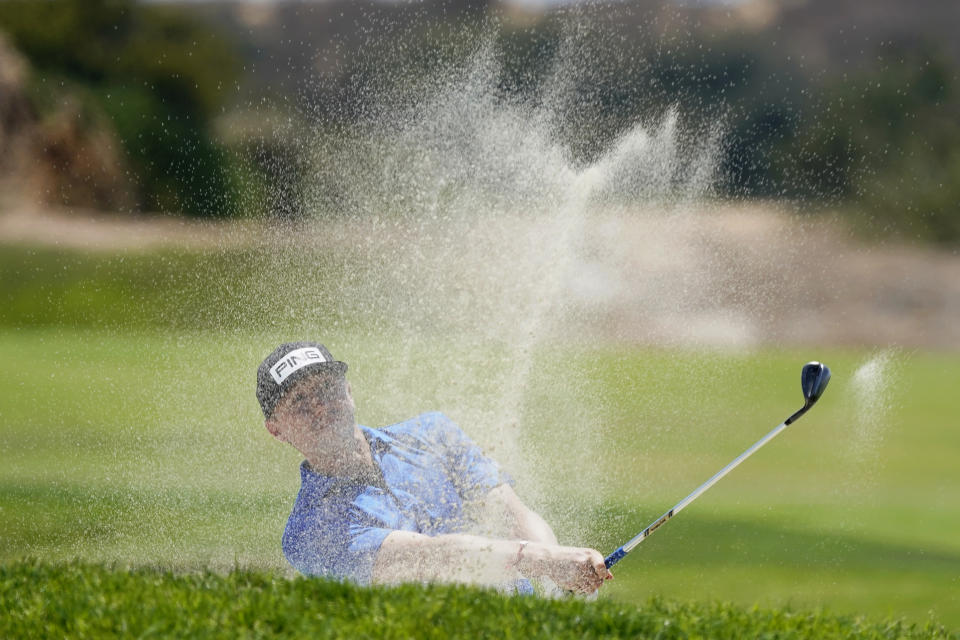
x,y
94,601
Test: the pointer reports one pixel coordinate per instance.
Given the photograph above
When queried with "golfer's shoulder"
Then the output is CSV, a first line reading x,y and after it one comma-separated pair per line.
x,y
441,430
431,425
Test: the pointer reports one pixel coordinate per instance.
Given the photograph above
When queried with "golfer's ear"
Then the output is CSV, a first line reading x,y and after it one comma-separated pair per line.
x,y
273,427
353,403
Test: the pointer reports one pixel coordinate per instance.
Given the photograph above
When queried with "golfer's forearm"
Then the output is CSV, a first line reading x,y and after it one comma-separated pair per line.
x,y
410,557
524,523
532,527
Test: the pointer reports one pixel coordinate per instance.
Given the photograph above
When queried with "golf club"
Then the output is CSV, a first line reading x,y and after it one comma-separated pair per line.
x,y
813,380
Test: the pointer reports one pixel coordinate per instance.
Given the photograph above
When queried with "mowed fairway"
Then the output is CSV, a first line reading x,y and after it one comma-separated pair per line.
x,y
147,448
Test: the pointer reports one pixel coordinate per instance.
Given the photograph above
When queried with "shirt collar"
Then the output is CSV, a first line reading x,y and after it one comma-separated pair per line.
x,y
378,440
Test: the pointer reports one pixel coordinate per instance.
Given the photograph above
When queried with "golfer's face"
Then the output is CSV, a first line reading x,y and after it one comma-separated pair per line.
x,y
309,418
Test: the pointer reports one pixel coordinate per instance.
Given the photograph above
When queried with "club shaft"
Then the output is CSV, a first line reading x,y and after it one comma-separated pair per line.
x,y
615,557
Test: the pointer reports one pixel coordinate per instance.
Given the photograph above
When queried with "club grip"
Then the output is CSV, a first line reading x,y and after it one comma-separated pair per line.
x,y
614,557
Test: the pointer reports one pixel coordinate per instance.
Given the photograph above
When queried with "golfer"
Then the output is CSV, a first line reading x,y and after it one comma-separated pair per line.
x,y
404,502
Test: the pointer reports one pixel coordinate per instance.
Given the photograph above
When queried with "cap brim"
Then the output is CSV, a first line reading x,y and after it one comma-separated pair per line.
x,y
331,366
334,367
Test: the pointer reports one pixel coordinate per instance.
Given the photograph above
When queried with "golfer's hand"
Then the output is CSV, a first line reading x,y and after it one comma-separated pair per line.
x,y
576,569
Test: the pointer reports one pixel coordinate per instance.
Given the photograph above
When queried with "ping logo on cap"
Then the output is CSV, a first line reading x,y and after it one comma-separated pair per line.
x,y
294,361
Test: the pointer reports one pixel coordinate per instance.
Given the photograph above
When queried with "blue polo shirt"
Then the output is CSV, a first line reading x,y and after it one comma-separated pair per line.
x,y
430,469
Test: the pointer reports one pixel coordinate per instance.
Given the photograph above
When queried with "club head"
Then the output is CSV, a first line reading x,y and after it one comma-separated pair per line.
x,y
813,380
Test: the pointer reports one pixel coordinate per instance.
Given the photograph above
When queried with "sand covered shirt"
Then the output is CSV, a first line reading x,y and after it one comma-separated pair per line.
x,y
431,471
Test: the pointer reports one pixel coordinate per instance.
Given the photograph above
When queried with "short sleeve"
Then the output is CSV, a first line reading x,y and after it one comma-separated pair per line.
x,y
472,472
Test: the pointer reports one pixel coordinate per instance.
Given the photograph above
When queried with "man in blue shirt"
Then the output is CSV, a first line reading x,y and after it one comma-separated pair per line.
x,y
404,502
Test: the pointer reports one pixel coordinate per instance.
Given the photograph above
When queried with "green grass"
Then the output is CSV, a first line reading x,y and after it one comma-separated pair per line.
x,y
89,601
129,434
146,447
163,288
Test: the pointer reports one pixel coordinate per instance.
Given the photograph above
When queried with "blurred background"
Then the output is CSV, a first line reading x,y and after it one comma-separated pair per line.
x,y
827,104
603,237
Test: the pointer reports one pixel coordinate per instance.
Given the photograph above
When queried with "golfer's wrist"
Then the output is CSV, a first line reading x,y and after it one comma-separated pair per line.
x,y
532,559
517,558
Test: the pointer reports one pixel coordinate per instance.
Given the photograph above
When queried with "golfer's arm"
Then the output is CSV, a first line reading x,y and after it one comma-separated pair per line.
x,y
523,522
406,556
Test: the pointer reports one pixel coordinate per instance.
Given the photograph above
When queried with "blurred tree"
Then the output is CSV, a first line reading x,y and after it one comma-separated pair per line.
x,y
888,140
159,73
